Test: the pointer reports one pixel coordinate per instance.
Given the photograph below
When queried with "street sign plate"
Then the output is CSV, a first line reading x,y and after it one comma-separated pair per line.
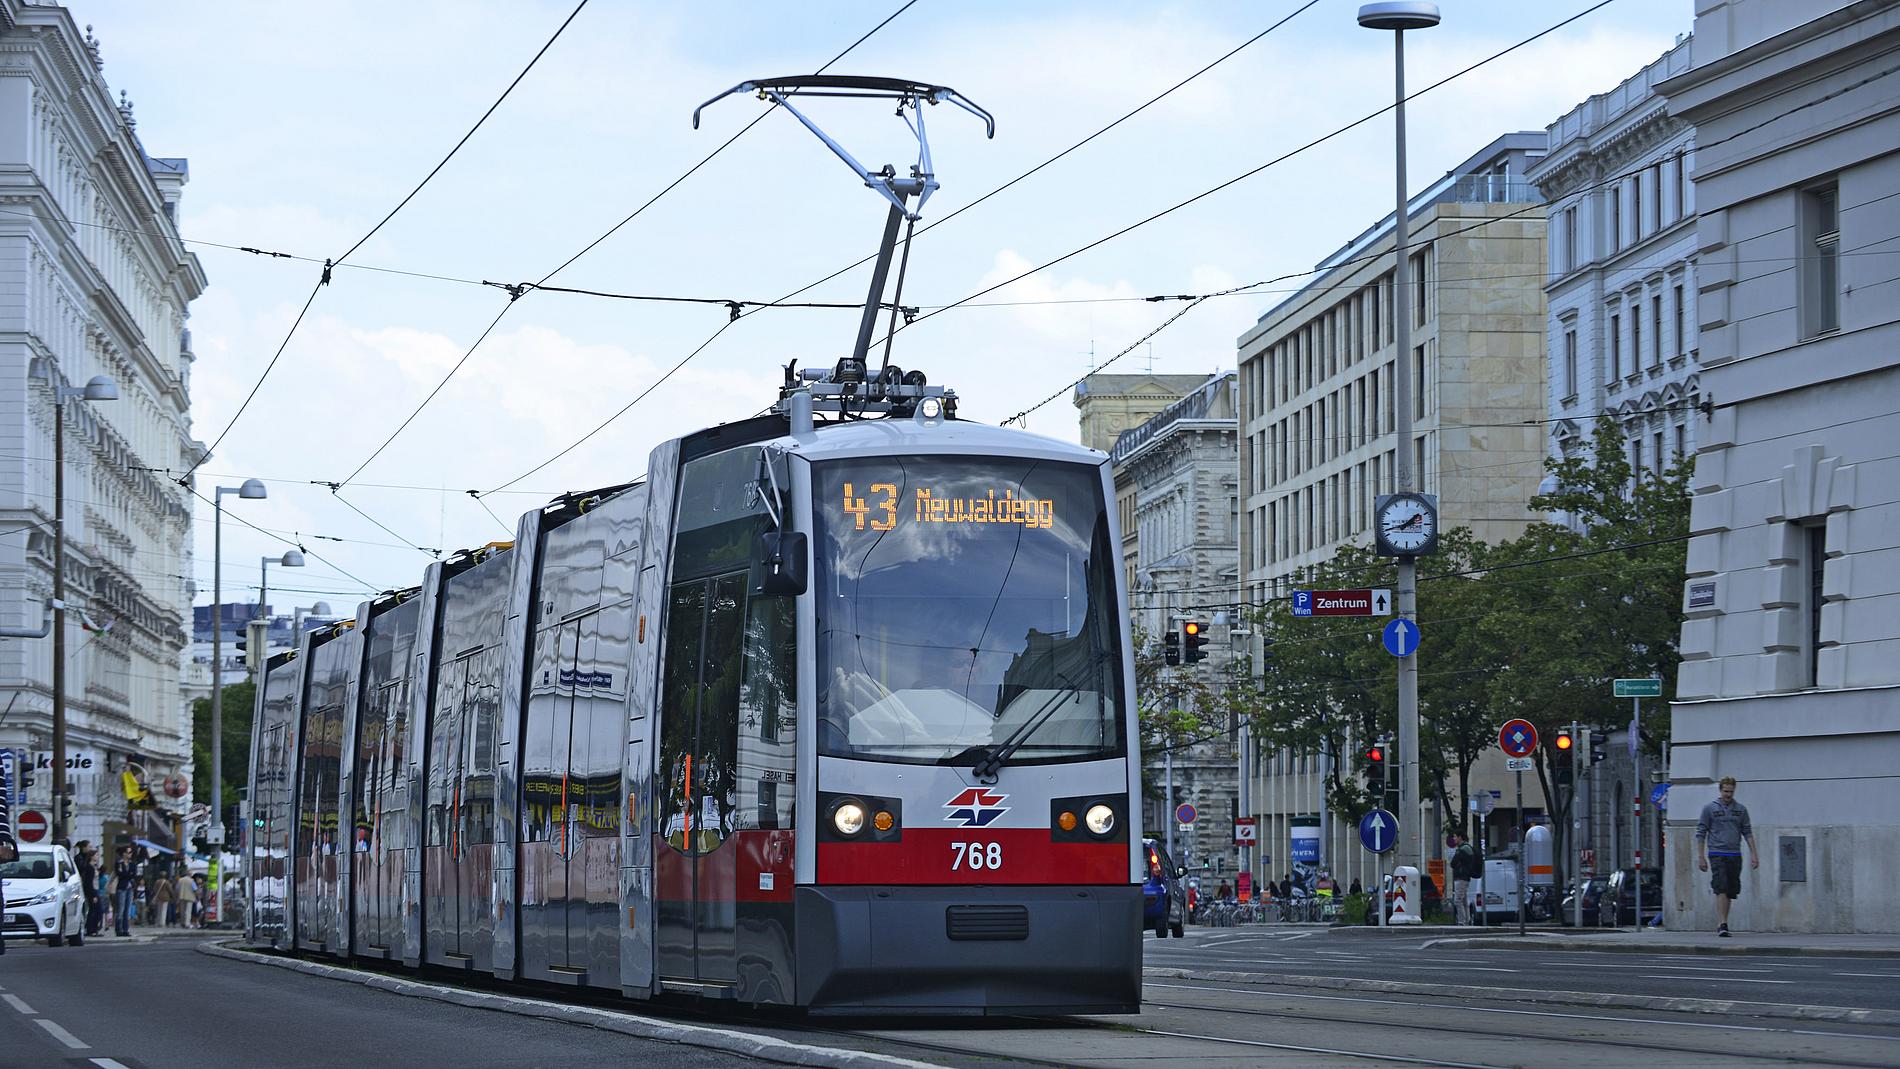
x,y
1342,603
1517,764
1184,813
1245,831
1638,688
1517,738
1401,638
1379,831
31,827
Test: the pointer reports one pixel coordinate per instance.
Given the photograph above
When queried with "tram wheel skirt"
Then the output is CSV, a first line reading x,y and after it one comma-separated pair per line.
x,y
891,950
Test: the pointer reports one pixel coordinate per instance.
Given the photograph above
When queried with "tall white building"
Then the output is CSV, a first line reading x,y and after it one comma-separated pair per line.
x,y
93,281
1790,679
1622,241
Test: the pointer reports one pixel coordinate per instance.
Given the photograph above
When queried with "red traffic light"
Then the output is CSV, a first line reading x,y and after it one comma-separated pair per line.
x,y
1376,753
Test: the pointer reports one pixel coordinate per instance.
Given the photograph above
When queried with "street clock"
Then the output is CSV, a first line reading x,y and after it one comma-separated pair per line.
x,y
1405,525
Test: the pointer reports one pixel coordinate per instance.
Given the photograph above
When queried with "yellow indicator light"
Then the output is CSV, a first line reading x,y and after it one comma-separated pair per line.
x,y
883,821
1066,822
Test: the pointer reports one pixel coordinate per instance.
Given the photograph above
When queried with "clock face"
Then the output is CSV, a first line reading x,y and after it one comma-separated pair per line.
x,y
1407,524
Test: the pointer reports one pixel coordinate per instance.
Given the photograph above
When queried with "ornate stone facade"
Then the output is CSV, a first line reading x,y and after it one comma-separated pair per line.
x,y
93,281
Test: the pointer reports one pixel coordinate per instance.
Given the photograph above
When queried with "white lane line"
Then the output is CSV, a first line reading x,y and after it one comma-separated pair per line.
x,y
110,1063
64,1036
1375,1055
1713,979
1881,975
1678,968
1384,1002
1705,968
16,1002
1302,935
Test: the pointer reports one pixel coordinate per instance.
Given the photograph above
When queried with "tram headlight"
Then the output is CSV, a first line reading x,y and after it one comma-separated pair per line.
x,y
1100,819
848,818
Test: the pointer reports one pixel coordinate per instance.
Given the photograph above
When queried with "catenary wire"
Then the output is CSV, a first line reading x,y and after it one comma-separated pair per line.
x,y
515,293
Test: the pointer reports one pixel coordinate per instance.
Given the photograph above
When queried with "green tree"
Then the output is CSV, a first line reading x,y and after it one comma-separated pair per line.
x,y
239,700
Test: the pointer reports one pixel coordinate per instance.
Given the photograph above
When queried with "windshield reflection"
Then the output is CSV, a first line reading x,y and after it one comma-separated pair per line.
x,y
957,599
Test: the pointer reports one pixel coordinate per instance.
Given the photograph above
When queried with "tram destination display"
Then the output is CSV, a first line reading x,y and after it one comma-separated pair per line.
x,y
882,507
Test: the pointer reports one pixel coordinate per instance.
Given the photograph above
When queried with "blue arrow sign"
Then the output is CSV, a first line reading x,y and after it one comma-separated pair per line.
x,y
1379,831
1401,637
1302,603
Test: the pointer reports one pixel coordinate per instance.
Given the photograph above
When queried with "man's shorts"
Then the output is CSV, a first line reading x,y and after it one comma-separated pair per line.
x,y
1725,875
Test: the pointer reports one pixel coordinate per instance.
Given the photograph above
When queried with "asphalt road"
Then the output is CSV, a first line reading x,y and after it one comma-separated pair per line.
x,y
160,1005
1866,983
164,1005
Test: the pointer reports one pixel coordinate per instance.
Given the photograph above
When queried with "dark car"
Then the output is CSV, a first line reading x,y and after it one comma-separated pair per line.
x,y
1163,895
1618,887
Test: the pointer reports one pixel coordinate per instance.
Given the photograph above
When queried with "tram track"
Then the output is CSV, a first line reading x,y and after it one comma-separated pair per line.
x,y
1465,1031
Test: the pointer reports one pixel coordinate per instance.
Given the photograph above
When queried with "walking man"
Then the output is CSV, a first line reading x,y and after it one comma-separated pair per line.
x,y
1719,834
89,884
1464,865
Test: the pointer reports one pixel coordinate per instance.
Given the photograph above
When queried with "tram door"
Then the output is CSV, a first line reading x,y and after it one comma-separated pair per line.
x,y
572,771
696,860
444,879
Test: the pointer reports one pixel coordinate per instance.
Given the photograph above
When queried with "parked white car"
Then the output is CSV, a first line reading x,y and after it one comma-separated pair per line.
x,y
44,897
1497,890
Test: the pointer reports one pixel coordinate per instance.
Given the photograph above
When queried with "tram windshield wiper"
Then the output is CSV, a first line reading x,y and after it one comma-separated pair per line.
x,y
996,756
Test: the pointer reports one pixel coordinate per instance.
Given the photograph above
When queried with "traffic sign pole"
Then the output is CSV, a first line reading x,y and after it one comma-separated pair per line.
x,y
1522,844
1576,823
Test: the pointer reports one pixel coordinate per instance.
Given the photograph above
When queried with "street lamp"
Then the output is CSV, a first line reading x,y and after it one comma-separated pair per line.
x,y
98,388
252,490
260,641
1400,17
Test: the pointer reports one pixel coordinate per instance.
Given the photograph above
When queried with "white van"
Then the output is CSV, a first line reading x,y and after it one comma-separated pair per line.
x,y
1497,890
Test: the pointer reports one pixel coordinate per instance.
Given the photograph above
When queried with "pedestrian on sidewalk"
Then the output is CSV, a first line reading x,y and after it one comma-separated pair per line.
x,y
1719,834
125,879
1464,868
164,906
88,884
187,895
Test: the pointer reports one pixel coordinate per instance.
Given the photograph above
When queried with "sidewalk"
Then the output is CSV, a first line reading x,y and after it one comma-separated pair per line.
x,y
1657,941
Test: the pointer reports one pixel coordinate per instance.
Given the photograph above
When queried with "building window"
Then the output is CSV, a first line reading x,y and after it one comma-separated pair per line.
x,y
1570,363
1616,348
1418,383
1682,441
1570,239
1655,321
1636,459
1636,206
1636,335
1419,289
1656,181
1821,269
1814,545
1682,339
1616,217
1682,185
1375,303
1656,447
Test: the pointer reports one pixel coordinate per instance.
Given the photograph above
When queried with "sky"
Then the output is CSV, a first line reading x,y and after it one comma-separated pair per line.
x,y
305,124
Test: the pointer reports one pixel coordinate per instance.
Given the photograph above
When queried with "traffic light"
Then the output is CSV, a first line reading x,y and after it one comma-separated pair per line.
x,y
1599,746
1193,637
1563,741
1171,648
1375,769
1562,767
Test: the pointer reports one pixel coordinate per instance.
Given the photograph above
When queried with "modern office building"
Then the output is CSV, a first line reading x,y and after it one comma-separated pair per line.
x,y
1318,432
1790,679
94,281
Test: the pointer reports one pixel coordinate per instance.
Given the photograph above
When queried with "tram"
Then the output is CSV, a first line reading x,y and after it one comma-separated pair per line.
x,y
832,709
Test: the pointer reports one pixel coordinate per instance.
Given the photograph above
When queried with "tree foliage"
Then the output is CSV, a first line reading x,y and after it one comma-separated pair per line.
x,y
239,699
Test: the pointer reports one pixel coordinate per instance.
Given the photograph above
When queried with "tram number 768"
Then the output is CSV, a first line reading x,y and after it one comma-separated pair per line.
x,y
977,856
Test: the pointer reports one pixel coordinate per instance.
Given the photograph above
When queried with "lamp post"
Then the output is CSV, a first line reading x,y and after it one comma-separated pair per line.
x,y
98,388
1399,17
252,490
259,640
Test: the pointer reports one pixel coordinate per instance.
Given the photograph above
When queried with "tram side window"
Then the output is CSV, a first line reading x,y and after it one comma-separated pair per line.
x,y
444,729
540,781
482,705
685,626
369,767
768,710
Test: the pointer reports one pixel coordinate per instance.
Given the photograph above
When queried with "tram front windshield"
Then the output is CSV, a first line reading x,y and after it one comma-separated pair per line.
x,y
965,607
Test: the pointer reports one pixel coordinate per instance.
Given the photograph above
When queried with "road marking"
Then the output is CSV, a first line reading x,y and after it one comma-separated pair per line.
x,y
64,1036
16,1002
110,1063
1635,965
1881,975
1386,1001
1712,979
1708,968
1302,935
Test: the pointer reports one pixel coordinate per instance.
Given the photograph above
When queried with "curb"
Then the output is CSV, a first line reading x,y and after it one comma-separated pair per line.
x,y
1788,1011
1559,943
764,1048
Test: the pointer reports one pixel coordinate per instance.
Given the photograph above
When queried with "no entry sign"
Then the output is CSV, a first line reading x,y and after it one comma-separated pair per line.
x,y
31,827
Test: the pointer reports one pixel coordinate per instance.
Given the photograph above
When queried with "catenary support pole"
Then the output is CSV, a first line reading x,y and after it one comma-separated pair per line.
x,y
1404,477
1577,745
62,825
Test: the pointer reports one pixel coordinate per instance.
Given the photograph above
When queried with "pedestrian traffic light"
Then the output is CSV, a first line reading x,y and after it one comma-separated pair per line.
x,y
1193,637
1171,648
1599,746
1375,769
